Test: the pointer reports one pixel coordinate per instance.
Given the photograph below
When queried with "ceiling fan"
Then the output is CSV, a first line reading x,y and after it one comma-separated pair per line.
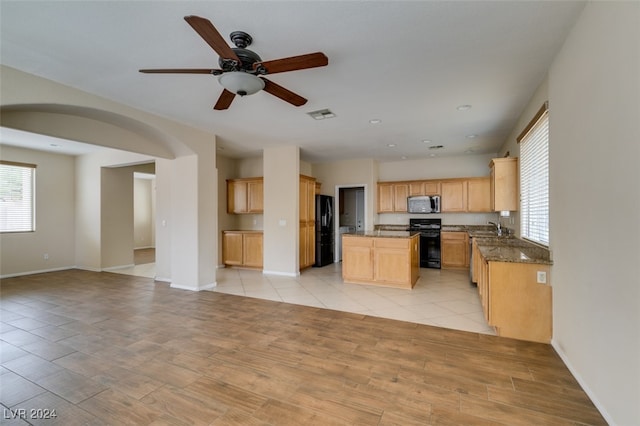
x,y
241,70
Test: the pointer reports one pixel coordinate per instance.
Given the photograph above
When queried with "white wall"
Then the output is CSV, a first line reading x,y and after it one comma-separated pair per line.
x,y
436,168
55,217
144,212
281,210
594,96
116,201
351,173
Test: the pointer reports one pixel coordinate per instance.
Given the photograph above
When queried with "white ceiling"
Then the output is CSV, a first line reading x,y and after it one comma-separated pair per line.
x,y
409,64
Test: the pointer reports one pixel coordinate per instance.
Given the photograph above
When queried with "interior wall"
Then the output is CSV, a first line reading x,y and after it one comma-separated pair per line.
x,y
436,168
594,94
351,173
281,210
143,212
116,201
88,206
24,252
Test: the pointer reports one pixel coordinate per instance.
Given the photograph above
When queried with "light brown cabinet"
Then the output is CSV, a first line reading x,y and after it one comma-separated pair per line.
x,y
307,235
245,195
454,196
242,248
391,262
504,184
512,299
385,198
454,249
479,195
392,197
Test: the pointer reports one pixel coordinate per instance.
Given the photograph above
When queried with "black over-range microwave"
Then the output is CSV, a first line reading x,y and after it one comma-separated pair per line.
x,y
423,204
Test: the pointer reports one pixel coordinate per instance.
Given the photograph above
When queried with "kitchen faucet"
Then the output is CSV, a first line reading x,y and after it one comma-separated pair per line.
x,y
498,228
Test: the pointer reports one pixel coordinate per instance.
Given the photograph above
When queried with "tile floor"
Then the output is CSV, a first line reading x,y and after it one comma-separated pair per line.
x,y
443,298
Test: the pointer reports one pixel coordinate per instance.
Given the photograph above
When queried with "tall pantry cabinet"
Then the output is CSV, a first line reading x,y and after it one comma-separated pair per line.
x,y
307,221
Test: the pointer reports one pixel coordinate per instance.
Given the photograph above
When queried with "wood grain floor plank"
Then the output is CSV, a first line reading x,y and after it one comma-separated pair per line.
x,y
110,348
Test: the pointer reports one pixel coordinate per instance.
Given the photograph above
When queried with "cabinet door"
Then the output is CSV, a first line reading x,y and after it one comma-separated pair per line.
x,y
416,188
479,195
255,196
400,194
232,248
454,196
385,198
504,184
236,197
455,249
252,250
357,261
432,188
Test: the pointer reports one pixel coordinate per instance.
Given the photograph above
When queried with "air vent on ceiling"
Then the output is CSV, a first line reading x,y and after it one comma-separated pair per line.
x,y
321,114
436,147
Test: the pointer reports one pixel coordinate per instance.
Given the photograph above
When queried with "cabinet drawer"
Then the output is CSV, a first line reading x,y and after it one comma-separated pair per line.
x,y
356,241
401,243
453,235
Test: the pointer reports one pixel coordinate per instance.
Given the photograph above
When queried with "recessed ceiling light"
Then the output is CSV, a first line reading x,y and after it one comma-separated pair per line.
x,y
375,121
404,157
391,145
471,136
426,141
463,107
432,155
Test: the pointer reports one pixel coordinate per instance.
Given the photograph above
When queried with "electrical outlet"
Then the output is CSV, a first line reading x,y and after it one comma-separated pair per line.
x,y
542,277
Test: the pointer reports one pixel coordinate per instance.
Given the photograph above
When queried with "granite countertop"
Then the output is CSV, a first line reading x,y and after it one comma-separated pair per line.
x,y
385,234
493,248
511,249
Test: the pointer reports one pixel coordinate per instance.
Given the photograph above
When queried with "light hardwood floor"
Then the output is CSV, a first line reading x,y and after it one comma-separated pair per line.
x,y
105,348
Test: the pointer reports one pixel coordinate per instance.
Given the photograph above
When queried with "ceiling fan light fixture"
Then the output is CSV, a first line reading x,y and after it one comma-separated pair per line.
x,y
241,83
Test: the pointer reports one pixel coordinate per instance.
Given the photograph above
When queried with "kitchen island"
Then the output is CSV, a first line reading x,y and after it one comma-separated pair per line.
x,y
383,258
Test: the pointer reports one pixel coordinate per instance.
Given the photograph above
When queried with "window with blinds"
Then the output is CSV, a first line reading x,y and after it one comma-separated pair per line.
x,y
17,197
534,179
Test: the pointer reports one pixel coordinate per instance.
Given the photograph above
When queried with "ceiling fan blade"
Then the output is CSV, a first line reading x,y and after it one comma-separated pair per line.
x,y
282,93
208,32
181,71
293,63
224,101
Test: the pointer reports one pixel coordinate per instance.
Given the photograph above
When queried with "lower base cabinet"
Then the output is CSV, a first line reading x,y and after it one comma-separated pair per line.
x,y
242,248
454,249
512,299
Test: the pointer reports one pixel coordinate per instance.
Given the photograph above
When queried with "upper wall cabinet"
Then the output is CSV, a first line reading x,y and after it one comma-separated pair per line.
x,y
457,195
504,184
478,195
454,196
245,195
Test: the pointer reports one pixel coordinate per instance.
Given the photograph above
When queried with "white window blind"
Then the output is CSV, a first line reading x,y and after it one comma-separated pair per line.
x,y
17,197
534,180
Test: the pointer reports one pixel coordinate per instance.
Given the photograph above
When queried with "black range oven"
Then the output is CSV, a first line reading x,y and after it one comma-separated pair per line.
x,y
429,241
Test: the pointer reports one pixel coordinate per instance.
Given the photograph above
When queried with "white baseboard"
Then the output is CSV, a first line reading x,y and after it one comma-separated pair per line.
x,y
582,382
115,268
199,288
41,271
163,279
281,274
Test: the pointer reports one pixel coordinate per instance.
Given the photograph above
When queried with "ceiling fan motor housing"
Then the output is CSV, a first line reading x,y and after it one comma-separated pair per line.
x,y
247,57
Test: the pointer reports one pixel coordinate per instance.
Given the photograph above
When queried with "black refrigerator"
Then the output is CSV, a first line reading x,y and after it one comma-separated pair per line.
x,y
324,230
